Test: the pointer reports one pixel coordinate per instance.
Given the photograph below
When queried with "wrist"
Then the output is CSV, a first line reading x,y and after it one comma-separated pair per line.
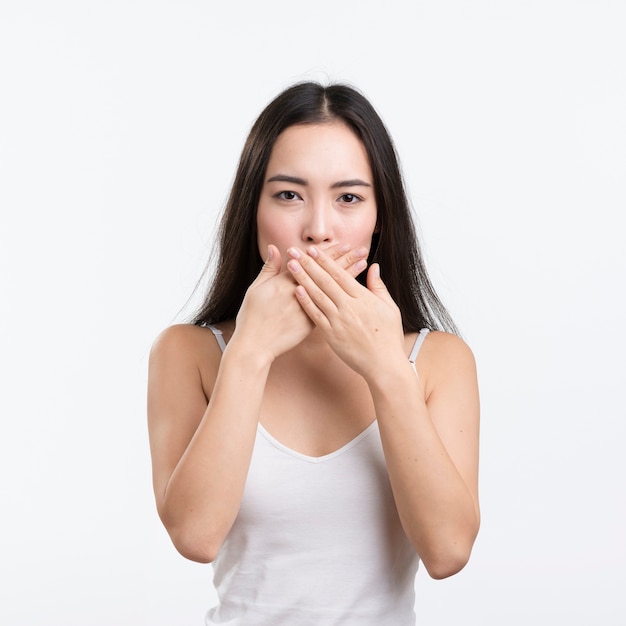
x,y
249,353
391,379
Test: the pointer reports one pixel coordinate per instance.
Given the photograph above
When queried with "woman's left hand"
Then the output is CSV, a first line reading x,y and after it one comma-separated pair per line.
x,y
360,324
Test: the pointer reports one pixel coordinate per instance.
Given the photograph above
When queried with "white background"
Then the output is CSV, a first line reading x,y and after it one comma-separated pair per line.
x,y
120,127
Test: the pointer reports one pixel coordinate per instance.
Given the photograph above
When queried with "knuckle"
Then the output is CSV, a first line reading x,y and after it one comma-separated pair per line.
x,y
344,261
317,296
326,281
333,252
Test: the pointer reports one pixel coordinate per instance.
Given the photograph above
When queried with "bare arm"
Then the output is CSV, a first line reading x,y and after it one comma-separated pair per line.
x,y
429,435
201,451
203,410
431,449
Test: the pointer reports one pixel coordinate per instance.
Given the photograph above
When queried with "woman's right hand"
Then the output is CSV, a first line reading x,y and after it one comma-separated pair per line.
x,y
270,319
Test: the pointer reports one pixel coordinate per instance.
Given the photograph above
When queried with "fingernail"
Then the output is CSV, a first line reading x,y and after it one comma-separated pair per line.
x,y
360,252
314,252
270,254
359,266
294,266
344,248
294,253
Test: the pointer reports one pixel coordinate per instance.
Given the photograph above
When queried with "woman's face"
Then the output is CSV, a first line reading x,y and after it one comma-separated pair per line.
x,y
318,190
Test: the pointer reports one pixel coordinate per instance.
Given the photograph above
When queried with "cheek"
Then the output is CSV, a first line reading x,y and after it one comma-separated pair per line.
x,y
263,225
275,232
269,231
367,229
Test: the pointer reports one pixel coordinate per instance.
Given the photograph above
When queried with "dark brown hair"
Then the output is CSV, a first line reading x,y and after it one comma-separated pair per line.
x,y
394,246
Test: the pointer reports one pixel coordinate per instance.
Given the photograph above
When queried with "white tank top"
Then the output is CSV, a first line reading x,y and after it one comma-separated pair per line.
x,y
317,540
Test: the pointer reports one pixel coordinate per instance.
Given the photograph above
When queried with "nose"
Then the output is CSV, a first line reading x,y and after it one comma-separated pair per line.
x,y
317,227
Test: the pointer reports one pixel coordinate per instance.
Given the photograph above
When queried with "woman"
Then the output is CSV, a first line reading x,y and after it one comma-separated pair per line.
x,y
309,435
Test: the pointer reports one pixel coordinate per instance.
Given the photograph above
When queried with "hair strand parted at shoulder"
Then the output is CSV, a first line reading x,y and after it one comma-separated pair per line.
x,y
394,246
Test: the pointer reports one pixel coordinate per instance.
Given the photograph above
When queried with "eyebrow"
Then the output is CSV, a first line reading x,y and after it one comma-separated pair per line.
x,y
283,178
353,182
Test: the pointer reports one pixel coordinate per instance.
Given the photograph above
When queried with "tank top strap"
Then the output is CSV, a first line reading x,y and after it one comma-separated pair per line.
x,y
412,357
418,344
218,336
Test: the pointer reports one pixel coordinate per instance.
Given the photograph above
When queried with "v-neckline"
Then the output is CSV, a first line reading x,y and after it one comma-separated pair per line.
x,y
316,459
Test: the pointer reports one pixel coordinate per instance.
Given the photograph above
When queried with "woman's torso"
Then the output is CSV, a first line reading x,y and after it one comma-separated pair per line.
x,y
317,539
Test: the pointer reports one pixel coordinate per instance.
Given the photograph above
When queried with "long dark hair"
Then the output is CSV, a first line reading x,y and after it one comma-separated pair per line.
x,y
394,245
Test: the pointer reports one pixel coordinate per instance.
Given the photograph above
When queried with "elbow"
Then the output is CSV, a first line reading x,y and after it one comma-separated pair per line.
x,y
196,537
193,540
449,557
193,536
200,549
447,553
446,565
195,553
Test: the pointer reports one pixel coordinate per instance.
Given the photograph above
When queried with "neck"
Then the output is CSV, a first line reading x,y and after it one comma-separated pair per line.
x,y
313,348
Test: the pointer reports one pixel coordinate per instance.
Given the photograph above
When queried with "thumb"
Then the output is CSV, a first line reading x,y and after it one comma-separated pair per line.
x,y
272,264
375,283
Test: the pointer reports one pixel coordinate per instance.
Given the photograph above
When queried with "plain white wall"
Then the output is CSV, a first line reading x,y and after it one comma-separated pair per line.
x,y
120,127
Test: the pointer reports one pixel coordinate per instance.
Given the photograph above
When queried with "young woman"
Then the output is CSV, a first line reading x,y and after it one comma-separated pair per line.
x,y
309,435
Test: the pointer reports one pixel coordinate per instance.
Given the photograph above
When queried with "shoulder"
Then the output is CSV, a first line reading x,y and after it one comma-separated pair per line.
x,y
186,350
181,340
443,358
439,344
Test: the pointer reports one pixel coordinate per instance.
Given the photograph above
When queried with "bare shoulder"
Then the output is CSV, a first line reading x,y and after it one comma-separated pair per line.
x,y
446,346
444,357
180,338
183,365
188,349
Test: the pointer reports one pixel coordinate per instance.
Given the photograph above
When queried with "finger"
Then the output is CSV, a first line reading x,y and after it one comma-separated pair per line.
x,y
321,289
342,254
375,283
311,309
355,261
272,265
341,277
338,250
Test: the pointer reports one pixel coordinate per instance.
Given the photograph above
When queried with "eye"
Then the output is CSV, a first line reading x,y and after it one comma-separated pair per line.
x,y
349,198
287,195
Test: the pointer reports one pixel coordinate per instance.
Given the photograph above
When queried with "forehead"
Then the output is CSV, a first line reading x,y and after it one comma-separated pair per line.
x,y
328,146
